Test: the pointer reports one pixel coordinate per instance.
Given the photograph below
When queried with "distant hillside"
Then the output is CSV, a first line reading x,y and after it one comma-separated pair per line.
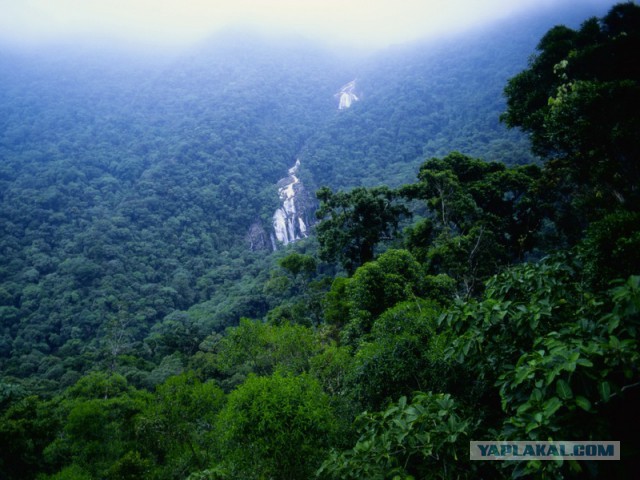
x,y
128,186
428,99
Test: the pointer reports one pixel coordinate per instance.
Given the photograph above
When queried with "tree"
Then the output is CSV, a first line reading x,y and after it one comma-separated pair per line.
x,y
403,354
98,427
464,192
353,223
376,286
26,428
260,348
176,425
421,438
293,293
580,101
298,264
276,427
611,248
563,358
482,215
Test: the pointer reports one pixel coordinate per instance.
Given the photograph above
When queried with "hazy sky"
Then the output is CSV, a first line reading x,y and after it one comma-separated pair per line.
x,y
361,22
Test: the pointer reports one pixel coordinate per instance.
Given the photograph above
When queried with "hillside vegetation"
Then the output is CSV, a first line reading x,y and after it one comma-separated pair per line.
x,y
494,295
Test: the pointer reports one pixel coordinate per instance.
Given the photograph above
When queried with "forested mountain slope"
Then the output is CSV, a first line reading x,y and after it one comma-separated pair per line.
x,y
129,183
428,99
123,184
467,299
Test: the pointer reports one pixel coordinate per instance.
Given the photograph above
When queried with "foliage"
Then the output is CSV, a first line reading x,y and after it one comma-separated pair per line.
x,y
611,248
419,438
424,100
378,285
175,428
116,183
277,426
256,347
332,367
298,264
355,222
403,354
98,435
356,302
295,291
482,215
579,100
140,337
128,183
26,428
517,306
336,306
557,353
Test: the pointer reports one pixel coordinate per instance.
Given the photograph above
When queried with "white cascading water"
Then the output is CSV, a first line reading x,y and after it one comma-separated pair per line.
x,y
287,225
347,95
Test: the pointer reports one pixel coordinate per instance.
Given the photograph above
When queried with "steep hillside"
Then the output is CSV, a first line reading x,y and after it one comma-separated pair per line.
x,y
132,189
429,99
125,187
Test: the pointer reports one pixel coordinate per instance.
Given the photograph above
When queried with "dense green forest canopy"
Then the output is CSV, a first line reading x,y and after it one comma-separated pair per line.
x,y
462,289
129,184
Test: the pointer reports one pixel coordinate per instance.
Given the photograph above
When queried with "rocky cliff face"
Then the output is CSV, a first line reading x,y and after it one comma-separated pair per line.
x,y
292,220
258,238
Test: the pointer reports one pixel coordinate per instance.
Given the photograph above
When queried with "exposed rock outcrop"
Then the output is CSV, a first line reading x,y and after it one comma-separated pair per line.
x,y
258,238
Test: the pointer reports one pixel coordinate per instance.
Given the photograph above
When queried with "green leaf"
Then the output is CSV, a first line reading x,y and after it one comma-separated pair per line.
x,y
614,322
584,362
551,406
523,408
583,403
563,389
614,342
575,466
605,391
536,395
521,374
531,426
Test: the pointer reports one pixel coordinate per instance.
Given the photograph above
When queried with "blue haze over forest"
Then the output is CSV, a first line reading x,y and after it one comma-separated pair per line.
x,y
143,173
155,197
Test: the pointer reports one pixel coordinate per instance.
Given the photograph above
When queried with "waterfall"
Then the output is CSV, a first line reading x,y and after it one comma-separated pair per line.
x,y
288,221
347,95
